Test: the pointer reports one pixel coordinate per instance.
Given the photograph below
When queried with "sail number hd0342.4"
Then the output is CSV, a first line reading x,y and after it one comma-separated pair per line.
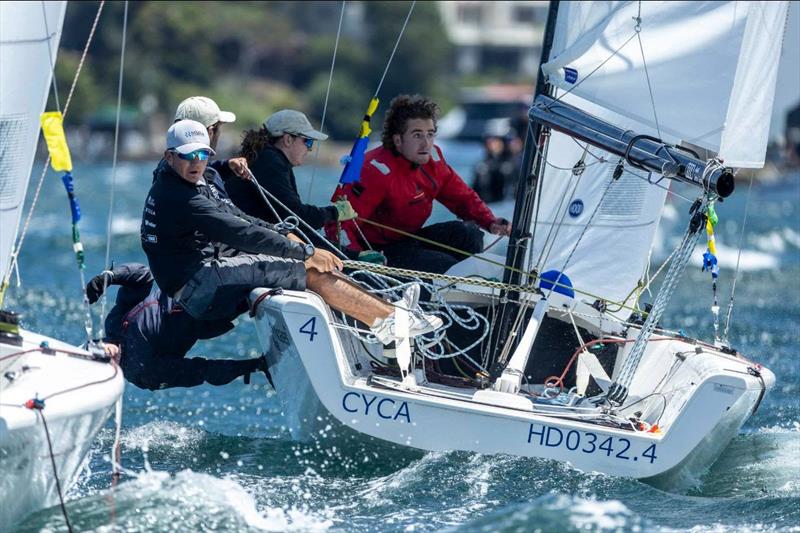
x,y
588,442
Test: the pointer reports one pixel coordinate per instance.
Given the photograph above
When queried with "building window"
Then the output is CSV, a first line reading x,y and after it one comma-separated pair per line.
x,y
469,15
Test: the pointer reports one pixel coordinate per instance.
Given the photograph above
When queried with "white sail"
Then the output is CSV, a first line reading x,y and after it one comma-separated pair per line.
x,y
703,61
29,37
712,67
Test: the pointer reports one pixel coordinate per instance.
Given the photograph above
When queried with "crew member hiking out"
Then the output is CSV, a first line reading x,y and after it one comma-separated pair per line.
x,y
399,182
150,335
208,255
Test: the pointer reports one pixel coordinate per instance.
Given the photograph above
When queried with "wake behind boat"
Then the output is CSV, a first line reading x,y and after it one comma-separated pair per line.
x,y
561,360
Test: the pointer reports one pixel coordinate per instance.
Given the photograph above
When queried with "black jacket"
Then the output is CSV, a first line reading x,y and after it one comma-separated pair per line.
x,y
184,224
273,171
164,328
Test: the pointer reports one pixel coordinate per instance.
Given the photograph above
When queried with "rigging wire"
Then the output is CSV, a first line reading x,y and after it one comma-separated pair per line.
x,y
50,55
34,201
268,197
580,237
598,67
325,105
738,261
601,159
638,30
378,90
113,169
396,44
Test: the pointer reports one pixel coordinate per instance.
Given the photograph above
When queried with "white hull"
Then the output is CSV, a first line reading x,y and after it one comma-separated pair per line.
x,y
79,398
706,398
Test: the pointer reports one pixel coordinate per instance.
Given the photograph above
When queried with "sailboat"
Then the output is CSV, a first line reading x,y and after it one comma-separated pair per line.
x,y
54,397
567,363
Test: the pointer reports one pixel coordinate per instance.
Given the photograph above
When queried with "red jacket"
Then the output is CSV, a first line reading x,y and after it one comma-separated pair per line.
x,y
397,193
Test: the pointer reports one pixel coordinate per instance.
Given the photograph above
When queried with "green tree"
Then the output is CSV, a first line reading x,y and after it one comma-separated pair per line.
x,y
422,61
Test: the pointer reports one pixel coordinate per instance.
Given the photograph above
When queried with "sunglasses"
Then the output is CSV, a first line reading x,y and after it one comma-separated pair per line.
x,y
200,155
308,142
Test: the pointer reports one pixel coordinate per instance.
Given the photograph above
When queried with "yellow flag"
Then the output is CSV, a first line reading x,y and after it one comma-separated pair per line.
x,y
53,129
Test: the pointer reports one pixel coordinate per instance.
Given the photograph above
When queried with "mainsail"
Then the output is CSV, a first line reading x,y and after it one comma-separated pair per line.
x,y
29,37
686,72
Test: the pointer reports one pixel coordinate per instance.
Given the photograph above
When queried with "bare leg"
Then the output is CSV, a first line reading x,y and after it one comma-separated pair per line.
x,y
346,297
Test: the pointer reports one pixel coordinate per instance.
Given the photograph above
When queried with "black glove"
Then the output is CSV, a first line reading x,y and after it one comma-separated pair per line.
x,y
97,285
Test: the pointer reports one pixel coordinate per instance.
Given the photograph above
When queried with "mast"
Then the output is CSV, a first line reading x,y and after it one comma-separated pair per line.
x,y
526,188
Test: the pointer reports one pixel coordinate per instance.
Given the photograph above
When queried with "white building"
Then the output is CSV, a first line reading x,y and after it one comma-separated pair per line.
x,y
504,34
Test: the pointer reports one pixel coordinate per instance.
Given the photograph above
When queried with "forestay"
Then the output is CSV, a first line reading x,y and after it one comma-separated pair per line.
x,y
679,71
29,36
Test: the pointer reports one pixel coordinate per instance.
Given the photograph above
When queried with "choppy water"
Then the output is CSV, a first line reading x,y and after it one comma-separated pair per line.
x,y
218,458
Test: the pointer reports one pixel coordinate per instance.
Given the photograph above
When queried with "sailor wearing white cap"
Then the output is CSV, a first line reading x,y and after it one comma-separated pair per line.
x,y
205,111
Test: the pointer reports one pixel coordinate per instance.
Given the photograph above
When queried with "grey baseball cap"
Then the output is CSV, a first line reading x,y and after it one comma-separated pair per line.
x,y
186,136
204,110
292,122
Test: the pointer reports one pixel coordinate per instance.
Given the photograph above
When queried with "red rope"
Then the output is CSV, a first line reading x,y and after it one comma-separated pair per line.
x,y
558,381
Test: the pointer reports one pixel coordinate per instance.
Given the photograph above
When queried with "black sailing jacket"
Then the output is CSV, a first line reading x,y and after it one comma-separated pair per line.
x,y
184,224
274,172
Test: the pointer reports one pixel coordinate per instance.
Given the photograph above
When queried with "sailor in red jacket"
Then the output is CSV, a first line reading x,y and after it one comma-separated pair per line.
x,y
399,182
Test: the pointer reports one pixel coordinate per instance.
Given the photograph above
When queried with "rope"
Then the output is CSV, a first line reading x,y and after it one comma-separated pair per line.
x,y
113,169
430,347
38,407
414,273
439,244
325,105
264,193
738,261
18,247
405,272
487,260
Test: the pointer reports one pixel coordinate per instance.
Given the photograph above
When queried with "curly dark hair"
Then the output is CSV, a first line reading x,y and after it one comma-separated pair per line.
x,y
253,141
403,108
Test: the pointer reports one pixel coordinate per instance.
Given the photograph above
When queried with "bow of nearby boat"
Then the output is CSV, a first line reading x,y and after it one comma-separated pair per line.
x,y
54,399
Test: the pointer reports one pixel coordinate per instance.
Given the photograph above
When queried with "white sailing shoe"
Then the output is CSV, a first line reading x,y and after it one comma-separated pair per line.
x,y
419,322
410,299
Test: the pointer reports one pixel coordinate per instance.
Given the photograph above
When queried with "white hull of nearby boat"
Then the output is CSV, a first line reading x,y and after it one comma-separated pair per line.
x,y
79,395
702,398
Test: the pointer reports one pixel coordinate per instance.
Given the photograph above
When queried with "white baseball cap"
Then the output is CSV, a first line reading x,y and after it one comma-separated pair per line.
x,y
292,122
203,110
186,136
